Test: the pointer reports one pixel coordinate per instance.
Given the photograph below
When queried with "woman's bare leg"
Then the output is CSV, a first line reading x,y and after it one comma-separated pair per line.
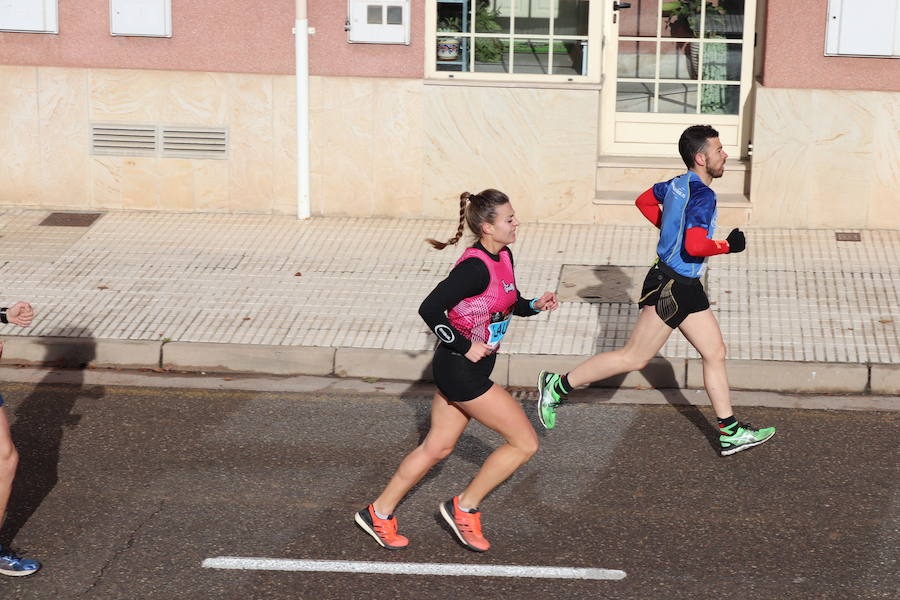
x,y
447,424
499,411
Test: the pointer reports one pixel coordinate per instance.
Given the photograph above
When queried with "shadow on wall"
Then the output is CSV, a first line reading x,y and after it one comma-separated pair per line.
x,y
38,430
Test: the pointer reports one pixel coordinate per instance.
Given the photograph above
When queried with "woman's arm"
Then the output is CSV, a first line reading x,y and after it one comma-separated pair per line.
x,y
469,278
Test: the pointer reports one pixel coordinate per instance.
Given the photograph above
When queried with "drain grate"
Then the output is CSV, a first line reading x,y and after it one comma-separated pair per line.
x,y
847,236
67,219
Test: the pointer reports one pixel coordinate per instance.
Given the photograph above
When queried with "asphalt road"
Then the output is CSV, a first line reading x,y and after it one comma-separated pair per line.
x,y
123,492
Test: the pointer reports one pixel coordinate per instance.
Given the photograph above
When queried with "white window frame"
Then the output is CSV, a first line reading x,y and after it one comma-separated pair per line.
x,y
47,22
359,31
594,51
863,28
124,13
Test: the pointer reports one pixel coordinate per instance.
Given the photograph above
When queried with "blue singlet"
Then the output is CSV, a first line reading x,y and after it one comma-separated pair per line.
x,y
686,202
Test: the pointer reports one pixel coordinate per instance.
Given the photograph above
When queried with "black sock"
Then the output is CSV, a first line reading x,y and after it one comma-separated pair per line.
x,y
727,422
564,387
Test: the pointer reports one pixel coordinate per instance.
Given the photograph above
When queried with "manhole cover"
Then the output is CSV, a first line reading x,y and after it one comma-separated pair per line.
x,y
66,219
600,283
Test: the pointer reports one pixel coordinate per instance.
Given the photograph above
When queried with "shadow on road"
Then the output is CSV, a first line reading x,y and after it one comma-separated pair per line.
x,y
38,430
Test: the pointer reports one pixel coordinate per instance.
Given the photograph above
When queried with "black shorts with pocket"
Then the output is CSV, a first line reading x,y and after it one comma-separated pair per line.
x,y
458,378
673,295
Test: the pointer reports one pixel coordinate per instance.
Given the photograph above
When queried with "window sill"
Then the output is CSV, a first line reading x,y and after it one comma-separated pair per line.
x,y
549,85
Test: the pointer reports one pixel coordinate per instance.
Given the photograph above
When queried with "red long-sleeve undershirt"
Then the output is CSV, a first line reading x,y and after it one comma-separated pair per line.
x,y
697,244
649,207
695,241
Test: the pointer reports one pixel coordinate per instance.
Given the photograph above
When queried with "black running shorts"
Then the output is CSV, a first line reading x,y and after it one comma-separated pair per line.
x,y
674,298
458,378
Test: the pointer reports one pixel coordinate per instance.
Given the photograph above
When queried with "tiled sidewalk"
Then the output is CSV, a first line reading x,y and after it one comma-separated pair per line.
x,y
357,283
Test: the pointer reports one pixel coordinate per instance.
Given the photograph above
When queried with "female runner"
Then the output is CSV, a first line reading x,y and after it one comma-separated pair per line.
x,y
469,311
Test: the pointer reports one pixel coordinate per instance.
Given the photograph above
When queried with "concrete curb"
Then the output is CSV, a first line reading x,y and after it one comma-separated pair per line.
x,y
518,370
885,379
383,364
80,352
787,376
248,358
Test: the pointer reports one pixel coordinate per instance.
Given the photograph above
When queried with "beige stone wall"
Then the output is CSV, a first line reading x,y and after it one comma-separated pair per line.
x,y
401,148
46,146
537,145
826,158
379,146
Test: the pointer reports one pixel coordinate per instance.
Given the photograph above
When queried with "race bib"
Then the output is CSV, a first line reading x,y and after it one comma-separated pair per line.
x,y
497,329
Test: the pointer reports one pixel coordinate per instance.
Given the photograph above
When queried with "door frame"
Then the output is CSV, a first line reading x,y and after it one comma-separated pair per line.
x,y
656,134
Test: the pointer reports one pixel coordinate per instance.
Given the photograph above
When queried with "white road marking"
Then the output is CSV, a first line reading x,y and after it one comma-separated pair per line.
x,y
349,566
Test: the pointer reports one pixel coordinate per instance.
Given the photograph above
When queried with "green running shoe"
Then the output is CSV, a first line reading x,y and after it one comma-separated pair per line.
x,y
548,398
741,436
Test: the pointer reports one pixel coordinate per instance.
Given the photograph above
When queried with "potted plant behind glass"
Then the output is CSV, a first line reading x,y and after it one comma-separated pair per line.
x,y
487,50
448,46
683,19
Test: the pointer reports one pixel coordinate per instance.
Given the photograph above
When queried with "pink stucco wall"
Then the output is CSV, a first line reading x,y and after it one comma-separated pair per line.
x,y
330,54
238,36
795,53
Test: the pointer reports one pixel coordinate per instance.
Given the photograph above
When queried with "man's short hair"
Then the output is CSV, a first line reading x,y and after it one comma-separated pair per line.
x,y
693,140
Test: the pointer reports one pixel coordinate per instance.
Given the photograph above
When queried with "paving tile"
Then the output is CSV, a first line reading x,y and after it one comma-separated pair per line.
x,y
794,295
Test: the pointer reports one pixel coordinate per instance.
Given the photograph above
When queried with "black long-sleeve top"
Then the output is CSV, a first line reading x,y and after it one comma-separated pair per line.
x,y
468,278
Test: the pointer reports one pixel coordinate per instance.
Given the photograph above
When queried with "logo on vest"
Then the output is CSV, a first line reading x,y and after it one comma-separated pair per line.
x,y
508,287
444,333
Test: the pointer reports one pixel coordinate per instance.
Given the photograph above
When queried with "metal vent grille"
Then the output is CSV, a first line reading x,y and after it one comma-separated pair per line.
x,y
123,139
194,142
70,219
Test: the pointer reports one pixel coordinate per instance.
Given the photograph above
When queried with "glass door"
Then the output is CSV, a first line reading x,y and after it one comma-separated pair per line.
x,y
673,63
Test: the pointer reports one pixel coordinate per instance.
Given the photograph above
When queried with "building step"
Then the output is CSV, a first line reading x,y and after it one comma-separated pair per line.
x,y
628,173
616,207
654,162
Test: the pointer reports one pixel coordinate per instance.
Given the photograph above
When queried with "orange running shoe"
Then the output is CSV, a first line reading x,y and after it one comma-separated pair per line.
x,y
383,530
466,526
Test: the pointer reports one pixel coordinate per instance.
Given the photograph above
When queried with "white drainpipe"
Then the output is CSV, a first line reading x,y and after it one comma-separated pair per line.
x,y
301,45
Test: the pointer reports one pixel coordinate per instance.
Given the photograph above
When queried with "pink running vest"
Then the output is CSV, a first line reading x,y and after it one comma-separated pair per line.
x,y
485,318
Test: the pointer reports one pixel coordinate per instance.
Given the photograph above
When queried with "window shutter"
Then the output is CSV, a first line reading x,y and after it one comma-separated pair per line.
x,y
863,28
35,16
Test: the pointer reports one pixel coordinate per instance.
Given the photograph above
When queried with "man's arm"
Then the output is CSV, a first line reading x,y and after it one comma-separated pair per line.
x,y
649,207
696,243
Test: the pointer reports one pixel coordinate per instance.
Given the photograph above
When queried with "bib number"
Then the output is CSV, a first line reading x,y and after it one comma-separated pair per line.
x,y
497,330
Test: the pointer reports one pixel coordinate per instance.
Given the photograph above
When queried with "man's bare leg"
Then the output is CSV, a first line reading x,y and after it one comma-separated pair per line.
x,y
648,336
702,331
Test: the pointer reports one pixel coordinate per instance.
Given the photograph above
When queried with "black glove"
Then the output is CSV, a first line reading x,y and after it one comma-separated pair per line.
x,y
736,241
